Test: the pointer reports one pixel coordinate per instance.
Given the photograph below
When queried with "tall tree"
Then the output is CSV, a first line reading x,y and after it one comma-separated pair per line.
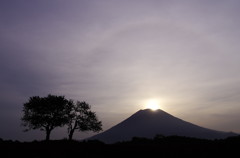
x,y
82,119
46,113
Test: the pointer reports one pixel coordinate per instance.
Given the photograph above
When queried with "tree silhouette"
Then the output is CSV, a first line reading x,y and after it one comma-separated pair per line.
x,y
45,113
82,119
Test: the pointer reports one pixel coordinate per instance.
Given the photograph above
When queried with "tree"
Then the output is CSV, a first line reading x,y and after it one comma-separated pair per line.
x,y
46,113
82,118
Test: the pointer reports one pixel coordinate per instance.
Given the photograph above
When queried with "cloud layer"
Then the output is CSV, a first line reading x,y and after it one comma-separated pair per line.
x,y
117,54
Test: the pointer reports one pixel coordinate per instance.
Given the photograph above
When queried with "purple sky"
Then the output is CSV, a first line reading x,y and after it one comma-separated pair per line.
x,y
117,55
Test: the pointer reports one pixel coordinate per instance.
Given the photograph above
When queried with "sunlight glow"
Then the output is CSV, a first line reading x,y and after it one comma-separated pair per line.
x,y
152,104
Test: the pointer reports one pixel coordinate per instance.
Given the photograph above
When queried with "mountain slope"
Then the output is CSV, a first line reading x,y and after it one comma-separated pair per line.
x,y
148,123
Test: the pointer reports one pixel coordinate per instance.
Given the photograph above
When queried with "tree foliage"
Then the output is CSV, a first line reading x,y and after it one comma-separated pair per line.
x,y
45,113
82,118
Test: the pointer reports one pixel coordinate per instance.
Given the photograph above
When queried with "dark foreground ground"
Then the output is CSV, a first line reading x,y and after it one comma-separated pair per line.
x,y
161,147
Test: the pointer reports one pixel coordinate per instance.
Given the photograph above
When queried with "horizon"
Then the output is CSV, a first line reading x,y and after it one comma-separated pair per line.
x,y
148,123
121,56
94,134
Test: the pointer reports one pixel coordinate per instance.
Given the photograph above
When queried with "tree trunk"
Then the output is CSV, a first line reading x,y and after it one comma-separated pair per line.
x,y
72,131
71,134
48,131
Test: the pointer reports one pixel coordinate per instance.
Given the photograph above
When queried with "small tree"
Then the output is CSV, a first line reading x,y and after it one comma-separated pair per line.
x,y
46,113
83,119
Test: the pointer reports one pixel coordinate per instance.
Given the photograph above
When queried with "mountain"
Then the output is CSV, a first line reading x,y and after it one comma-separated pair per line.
x,y
148,123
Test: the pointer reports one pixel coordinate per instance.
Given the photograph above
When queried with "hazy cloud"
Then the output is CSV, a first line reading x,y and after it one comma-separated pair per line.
x,y
116,54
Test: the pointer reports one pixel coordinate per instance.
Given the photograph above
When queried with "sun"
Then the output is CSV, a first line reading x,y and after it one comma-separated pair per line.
x,y
152,104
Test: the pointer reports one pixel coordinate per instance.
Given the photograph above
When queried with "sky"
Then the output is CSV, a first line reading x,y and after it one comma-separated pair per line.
x,y
119,55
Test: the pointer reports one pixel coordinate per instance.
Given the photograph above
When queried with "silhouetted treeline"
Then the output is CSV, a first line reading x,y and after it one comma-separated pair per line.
x,y
172,146
47,113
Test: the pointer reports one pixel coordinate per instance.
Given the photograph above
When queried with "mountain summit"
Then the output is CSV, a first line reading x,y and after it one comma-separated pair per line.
x,y
148,123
